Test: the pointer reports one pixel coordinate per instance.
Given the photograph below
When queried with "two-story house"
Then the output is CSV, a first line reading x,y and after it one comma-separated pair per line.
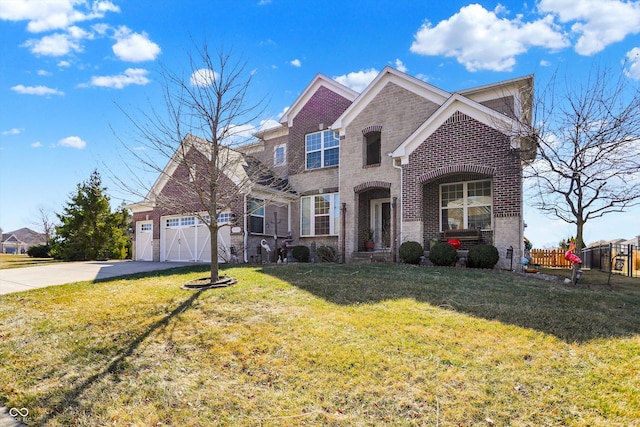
x,y
403,159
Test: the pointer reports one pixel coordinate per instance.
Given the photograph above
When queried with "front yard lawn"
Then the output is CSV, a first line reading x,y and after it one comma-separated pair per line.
x,y
355,345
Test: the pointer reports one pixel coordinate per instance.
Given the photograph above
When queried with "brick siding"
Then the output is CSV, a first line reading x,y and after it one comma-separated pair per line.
x,y
461,149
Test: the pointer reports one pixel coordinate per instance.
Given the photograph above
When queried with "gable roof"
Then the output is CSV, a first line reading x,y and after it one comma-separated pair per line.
x,y
388,74
458,103
243,170
24,235
318,81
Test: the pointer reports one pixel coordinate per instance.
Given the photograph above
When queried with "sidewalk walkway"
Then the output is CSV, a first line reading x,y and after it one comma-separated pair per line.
x,y
23,279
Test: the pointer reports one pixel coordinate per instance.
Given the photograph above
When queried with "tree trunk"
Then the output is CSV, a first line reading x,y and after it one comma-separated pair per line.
x,y
213,230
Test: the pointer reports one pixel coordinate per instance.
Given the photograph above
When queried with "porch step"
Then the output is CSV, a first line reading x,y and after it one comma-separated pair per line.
x,y
375,256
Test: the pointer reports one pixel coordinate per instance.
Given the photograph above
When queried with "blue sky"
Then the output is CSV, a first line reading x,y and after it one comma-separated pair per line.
x,y
68,65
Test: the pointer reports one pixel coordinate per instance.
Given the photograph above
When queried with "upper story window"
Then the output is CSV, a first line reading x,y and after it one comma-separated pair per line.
x,y
466,205
322,149
256,216
372,148
279,155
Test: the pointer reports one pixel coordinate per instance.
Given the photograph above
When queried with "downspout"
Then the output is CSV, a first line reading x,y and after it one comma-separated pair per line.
x,y
396,236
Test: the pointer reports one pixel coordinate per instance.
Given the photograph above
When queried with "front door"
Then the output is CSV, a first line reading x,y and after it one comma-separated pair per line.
x,y
381,222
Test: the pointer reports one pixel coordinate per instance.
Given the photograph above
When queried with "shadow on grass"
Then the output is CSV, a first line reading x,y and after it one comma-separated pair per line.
x,y
59,402
571,314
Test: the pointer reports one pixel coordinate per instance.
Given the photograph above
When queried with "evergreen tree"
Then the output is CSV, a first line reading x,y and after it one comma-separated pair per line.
x,y
88,230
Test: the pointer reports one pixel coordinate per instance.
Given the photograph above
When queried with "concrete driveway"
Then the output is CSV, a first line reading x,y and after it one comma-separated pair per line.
x,y
23,279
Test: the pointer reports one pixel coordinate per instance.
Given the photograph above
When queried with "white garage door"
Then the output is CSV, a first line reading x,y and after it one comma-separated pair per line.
x,y
185,238
144,239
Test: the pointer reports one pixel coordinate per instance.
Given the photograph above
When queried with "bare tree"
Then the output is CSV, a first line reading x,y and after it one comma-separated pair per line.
x,y
207,116
46,223
588,141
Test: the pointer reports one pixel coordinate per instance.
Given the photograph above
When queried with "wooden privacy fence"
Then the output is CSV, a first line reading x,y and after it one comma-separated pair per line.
x,y
618,259
549,258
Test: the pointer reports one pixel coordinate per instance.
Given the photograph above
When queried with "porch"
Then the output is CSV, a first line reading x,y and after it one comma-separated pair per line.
x,y
377,255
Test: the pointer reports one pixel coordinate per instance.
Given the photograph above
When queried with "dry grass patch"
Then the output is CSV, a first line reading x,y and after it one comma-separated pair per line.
x,y
323,345
19,261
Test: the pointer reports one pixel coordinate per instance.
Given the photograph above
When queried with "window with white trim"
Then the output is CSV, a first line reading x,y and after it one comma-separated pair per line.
x,y
466,205
322,149
320,215
256,216
279,155
146,227
173,222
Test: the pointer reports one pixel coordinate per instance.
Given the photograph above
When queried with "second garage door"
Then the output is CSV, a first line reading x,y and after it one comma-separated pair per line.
x,y
185,238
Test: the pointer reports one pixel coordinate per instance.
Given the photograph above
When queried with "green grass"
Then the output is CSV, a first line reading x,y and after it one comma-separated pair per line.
x,y
324,345
19,261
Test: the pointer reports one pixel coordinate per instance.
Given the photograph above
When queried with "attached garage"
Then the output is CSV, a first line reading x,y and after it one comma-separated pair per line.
x,y
186,238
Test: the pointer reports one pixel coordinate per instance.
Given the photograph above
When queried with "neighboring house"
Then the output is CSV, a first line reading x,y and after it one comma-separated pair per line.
x,y
403,158
19,241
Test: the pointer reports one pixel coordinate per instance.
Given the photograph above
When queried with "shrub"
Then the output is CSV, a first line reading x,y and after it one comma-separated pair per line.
x,y
301,253
443,254
411,252
483,256
327,254
39,251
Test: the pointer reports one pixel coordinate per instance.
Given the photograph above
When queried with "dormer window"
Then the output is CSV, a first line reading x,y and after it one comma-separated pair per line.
x,y
372,148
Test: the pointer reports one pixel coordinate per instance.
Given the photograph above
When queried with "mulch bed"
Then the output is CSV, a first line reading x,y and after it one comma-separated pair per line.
x,y
206,283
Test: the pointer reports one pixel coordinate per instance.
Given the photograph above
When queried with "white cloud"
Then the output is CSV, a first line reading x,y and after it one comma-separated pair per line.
x,y
131,76
43,73
36,90
54,45
633,63
598,23
544,63
36,144
296,63
134,47
480,40
54,15
359,80
14,131
203,77
72,142
64,64
400,66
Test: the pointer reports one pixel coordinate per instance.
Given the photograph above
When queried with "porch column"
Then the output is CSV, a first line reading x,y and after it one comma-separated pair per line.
x,y
394,242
